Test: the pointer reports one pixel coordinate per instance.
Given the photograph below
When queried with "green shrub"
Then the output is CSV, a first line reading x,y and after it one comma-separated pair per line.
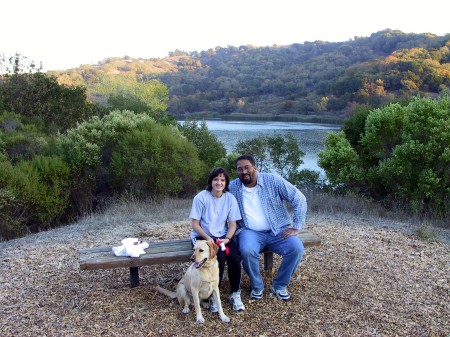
x,y
41,188
23,146
2,150
285,154
354,126
155,161
256,147
427,232
38,94
12,223
307,180
228,164
278,153
21,140
209,148
402,156
125,151
340,161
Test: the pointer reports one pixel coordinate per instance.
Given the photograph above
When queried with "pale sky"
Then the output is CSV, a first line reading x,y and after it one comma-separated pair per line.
x,y
64,34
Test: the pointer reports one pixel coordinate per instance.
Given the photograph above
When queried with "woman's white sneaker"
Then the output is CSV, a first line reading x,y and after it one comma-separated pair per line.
x,y
236,302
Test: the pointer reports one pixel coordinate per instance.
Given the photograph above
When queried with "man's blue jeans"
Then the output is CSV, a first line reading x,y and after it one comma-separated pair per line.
x,y
251,243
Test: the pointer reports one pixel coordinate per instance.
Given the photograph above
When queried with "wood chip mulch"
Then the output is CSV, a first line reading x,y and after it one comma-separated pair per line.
x,y
364,280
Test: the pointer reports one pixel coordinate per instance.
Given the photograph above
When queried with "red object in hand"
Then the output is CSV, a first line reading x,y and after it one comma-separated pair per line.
x,y
223,247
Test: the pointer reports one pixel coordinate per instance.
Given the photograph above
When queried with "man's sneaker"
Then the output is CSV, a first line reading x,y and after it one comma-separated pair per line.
x,y
213,304
256,294
236,302
282,294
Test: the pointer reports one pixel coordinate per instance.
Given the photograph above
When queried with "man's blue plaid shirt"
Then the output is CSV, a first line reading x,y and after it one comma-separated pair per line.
x,y
274,191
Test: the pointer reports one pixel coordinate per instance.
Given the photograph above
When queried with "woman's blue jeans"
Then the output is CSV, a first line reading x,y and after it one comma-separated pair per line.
x,y
251,244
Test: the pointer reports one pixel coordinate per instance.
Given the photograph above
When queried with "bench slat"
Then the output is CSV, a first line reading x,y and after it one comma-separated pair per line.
x,y
109,261
153,247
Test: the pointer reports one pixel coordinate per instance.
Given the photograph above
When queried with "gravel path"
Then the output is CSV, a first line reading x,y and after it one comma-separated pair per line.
x,y
368,278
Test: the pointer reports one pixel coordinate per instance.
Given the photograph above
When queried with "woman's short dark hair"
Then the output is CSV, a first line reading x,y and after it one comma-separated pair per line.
x,y
215,172
245,157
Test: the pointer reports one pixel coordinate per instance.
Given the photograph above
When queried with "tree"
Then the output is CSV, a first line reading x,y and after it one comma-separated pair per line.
x,y
256,147
209,148
382,133
403,156
341,162
128,152
285,154
150,97
419,168
273,153
36,95
354,125
228,163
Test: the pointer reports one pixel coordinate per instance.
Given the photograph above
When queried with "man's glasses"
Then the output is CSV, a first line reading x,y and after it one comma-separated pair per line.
x,y
245,168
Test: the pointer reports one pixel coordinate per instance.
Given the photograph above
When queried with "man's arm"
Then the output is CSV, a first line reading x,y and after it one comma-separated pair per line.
x,y
298,202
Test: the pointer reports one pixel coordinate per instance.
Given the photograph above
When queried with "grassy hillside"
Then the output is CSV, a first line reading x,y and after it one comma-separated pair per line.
x,y
321,80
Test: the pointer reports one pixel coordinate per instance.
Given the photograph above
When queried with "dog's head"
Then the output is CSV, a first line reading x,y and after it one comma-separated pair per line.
x,y
203,252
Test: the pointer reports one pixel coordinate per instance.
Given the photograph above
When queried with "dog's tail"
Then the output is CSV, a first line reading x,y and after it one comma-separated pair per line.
x,y
171,294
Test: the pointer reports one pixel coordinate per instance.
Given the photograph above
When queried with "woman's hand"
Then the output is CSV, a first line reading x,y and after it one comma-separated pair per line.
x,y
225,240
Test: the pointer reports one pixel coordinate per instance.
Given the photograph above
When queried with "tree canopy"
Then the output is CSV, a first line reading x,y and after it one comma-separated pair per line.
x,y
316,80
402,155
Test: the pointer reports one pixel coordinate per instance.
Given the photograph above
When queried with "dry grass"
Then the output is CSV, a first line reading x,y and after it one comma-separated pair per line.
x,y
370,277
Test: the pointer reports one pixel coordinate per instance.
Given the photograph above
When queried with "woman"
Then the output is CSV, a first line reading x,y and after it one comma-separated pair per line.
x,y
213,216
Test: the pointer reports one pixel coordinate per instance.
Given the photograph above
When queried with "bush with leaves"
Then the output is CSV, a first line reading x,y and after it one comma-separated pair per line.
x,y
256,147
21,138
285,154
308,180
40,95
149,97
403,155
130,92
40,187
125,151
353,127
154,160
228,163
209,148
277,153
341,162
12,223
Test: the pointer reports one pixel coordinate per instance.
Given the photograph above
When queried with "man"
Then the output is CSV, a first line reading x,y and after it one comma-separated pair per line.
x,y
266,223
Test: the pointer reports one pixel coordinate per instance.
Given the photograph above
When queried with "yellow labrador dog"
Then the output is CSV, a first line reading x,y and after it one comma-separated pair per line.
x,y
201,280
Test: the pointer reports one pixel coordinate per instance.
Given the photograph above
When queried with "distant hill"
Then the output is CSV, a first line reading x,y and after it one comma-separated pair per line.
x,y
311,80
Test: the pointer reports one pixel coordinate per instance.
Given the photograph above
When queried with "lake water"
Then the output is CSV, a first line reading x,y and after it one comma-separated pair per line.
x,y
310,136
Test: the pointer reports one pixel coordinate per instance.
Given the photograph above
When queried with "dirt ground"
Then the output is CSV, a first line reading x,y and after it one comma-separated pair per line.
x,y
368,278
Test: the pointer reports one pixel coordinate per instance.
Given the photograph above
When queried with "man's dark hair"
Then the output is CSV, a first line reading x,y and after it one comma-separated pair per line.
x,y
215,172
245,157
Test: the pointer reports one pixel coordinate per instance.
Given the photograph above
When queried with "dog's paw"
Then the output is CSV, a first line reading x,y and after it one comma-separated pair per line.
x,y
224,318
185,310
200,320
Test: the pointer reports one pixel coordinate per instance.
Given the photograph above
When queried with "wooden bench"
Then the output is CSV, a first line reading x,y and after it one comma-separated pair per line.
x,y
162,252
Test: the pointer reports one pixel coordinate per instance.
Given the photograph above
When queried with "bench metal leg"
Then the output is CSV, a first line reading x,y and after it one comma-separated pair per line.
x,y
134,277
268,261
